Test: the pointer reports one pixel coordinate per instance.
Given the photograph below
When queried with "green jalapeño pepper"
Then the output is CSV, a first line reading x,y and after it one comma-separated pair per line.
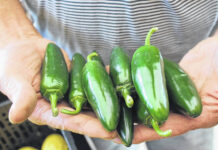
x,y
121,74
54,76
100,93
97,57
125,126
142,116
76,94
181,89
149,80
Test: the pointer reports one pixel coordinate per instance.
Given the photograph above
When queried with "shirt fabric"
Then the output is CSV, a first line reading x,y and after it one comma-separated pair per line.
x,y
87,25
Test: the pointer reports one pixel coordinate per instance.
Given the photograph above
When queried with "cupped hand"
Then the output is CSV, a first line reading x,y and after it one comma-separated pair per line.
x,y
201,64
20,66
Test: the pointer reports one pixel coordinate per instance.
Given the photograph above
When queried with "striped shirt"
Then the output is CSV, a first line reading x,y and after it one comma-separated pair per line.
x,y
86,25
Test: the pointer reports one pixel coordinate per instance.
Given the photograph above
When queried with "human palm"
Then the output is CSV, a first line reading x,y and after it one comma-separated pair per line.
x,y
201,63
20,66
20,81
20,76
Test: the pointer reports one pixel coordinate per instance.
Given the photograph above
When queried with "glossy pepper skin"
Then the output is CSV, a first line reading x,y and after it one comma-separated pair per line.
x,y
149,80
181,89
141,113
54,76
120,72
100,93
142,116
125,125
76,94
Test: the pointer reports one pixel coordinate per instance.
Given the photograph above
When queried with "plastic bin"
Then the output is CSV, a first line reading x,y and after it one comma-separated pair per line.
x,y
26,134
12,137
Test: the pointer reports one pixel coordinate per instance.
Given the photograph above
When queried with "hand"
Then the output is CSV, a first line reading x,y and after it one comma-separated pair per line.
x,y
201,63
20,66
82,123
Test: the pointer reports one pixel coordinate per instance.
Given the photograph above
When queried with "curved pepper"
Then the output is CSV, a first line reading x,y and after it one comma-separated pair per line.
x,y
100,93
54,76
125,125
149,80
182,92
76,94
121,74
142,116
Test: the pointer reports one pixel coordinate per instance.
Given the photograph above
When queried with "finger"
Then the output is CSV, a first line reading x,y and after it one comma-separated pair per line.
x,y
177,123
23,98
83,123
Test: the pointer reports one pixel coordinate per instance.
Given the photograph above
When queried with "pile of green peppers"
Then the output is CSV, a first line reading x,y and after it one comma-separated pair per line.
x,y
138,89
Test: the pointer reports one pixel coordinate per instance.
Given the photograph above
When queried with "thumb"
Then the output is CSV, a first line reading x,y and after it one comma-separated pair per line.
x,y
23,97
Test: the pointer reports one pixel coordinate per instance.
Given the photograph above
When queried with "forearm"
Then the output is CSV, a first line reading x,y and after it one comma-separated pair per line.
x,y
14,24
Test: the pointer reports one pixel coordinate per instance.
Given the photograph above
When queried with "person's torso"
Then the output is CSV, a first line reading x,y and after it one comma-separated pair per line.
x,y
84,26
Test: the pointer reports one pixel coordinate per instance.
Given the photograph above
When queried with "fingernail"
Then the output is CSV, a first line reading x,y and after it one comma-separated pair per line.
x,y
117,140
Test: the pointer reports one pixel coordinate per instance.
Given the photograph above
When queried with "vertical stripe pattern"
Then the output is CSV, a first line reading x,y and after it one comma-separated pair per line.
x,y
83,26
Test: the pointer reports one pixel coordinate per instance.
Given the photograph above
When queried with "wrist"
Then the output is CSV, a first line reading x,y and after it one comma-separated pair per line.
x,y
18,35
14,24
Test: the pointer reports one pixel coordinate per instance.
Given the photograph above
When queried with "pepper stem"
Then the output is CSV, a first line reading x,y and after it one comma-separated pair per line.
x,y
54,99
128,99
77,103
159,131
89,57
69,112
148,37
